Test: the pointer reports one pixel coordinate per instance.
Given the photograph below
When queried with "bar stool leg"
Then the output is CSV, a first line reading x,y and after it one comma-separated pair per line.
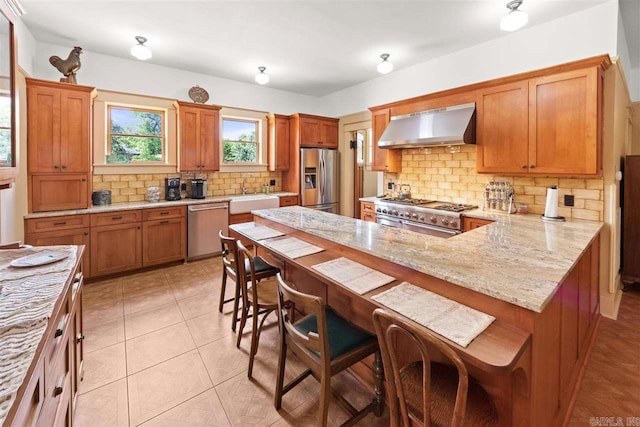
x,y
378,384
222,288
236,302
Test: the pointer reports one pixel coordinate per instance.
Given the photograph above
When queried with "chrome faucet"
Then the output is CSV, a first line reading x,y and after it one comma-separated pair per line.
x,y
244,176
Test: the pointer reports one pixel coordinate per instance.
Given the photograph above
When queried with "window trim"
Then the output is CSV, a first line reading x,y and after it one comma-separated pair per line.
x,y
258,142
164,137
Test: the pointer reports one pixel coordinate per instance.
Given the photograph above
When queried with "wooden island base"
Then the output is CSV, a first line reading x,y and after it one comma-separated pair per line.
x,y
529,362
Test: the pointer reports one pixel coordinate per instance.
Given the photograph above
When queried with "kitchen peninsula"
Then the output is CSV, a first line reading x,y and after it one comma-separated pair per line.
x,y
538,279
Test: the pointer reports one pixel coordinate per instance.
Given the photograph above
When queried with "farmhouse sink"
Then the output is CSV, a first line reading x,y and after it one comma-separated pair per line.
x,y
250,202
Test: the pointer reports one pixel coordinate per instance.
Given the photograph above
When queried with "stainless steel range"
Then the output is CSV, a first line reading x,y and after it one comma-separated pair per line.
x,y
422,216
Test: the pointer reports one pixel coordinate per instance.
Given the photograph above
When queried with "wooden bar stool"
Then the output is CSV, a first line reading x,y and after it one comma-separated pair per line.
x,y
229,269
424,392
325,342
258,298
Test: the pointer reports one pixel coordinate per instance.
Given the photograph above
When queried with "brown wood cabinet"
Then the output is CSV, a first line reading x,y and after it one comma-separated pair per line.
x,y
164,240
502,121
469,223
384,159
279,142
60,230
316,131
59,144
116,248
368,211
198,136
288,201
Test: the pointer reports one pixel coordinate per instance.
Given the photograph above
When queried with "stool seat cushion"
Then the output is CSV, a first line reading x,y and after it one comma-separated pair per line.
x,y
444,386
260,265
343,335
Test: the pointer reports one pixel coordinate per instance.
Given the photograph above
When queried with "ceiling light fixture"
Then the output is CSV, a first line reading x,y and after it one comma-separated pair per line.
x,y
515,19
262,78
385,66
139,50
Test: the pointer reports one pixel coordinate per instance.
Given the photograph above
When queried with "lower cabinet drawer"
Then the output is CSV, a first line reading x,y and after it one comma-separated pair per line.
x,y
113,218
37,225
163,213
288,201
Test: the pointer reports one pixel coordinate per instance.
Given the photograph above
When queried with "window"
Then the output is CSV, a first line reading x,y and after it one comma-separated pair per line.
x,y
5,130
135,135
241,142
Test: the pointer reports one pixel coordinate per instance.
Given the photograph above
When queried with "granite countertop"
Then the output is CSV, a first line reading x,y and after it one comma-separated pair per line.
x,y
145,205
518,258
369,199
27,299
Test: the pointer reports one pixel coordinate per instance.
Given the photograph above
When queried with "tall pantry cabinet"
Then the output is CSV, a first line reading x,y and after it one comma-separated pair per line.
x,y
58,145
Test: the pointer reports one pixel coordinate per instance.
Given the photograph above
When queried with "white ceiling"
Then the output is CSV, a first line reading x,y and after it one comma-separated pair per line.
x,y
311,47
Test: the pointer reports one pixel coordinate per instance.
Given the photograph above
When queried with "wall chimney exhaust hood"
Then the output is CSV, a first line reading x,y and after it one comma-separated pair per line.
x,y
445,126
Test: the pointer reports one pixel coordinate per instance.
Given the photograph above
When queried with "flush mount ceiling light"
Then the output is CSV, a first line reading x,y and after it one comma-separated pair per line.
x,y
262,78
385,66
139,50
515,19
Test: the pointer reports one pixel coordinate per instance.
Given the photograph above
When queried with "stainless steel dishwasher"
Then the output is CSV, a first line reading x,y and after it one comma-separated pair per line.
x,y
205,221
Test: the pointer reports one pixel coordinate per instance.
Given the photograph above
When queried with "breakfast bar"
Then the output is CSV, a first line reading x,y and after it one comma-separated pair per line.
x,y
539,280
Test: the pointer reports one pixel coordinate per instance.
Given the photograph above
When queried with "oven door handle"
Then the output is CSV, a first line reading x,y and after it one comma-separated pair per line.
x,y
440,230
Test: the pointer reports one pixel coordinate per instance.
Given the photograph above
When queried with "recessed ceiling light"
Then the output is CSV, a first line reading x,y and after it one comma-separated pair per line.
x,y
385,66
139,50
262,78
515,19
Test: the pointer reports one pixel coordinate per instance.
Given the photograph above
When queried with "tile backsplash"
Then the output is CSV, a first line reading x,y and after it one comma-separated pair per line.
x,y
435,173
133,187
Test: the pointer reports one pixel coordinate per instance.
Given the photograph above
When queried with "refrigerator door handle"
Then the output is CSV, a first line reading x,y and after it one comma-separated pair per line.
x,y
323,177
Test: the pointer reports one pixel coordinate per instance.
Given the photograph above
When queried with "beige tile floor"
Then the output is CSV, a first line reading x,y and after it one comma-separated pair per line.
x,y
158,353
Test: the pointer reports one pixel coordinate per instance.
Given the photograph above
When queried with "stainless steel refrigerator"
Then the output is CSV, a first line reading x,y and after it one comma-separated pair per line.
x,y
319,179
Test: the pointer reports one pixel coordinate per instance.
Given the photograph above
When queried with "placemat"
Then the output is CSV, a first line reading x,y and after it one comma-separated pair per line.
x,y
455,321
257,231
357,277
292,247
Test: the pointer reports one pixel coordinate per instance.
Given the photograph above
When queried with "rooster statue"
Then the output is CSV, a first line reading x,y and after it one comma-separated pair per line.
x,y
68,67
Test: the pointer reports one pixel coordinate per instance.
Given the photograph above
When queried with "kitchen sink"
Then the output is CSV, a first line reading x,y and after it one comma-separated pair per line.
x,y
250,202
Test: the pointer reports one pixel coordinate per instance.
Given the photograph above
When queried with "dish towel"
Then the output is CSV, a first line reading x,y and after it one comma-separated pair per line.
x,y
452,320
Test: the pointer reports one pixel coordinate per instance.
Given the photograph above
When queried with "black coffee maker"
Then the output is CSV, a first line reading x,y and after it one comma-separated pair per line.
x,y
172,189
198,188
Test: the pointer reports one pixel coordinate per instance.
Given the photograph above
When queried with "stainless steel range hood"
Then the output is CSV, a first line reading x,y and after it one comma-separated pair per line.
x,y
445,126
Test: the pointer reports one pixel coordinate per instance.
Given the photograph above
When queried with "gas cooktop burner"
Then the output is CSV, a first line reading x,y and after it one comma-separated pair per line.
x,y
412,202
453,207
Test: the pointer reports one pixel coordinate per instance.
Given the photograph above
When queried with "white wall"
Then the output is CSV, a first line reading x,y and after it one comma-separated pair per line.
x,y
13,201
139,77
584,34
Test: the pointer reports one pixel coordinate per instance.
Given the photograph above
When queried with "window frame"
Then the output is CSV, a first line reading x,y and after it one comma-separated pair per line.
x,y
164,139
258,141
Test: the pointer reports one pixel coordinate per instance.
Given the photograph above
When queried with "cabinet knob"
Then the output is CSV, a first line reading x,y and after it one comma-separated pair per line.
x,y
84,179
532,166
58,332
138,227
55,166
79,338
59,388
524,166
116,218
64,167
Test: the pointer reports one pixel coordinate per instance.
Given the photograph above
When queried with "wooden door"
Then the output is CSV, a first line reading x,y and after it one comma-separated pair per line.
x,y
43,129
116,248
75,134
329,134
279,143
189,139
209,140
384,159
58,191
164,241
564,123
503,128
78,236
310,132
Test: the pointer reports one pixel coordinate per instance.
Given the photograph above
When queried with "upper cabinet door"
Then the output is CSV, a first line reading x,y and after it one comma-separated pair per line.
x,y
384,159
503,128
279,143
209,140
564,131
329,134
75,135
43,129
310,132
189,139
